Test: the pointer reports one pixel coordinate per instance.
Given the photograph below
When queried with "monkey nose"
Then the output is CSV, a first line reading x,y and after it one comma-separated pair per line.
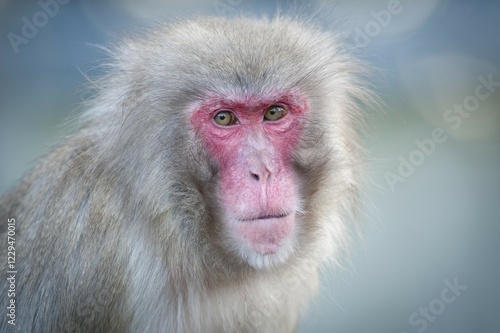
x,y
259,166
262,175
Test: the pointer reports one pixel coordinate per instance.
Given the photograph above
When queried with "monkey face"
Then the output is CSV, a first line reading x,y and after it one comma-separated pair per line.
x,y
266,122
251,139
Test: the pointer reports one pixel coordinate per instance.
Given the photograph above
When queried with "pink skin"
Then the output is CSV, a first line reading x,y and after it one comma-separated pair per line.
x,y
257,186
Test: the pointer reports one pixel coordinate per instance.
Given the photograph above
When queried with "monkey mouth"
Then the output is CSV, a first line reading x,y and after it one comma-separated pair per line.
x,y
265,217
268,233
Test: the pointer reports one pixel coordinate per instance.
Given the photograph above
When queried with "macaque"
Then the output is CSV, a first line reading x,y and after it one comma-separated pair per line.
x,y
212,173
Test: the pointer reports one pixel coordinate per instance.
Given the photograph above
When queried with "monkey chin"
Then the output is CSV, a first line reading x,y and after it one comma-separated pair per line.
x,y
265,241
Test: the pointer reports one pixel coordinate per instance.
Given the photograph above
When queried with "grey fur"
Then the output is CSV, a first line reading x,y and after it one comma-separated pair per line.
x,y
117,226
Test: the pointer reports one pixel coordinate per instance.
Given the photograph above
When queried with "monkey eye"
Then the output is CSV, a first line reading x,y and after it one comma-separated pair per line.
x,y
274,113
225,118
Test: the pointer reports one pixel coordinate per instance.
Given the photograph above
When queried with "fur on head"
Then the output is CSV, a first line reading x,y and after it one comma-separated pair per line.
x,y
234,60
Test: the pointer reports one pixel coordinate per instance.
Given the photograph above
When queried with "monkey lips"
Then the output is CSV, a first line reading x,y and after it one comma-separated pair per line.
x,y
265,234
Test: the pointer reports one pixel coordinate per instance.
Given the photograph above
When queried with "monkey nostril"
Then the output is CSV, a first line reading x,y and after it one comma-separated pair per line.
x,y
255,176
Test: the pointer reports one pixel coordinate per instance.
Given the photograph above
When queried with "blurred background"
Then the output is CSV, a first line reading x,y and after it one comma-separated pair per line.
x,y
429,260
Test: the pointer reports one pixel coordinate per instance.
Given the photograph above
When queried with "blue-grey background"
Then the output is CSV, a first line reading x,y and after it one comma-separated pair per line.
x,y
440,222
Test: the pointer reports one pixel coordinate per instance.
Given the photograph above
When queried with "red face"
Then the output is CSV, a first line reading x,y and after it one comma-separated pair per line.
x,y
252,140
